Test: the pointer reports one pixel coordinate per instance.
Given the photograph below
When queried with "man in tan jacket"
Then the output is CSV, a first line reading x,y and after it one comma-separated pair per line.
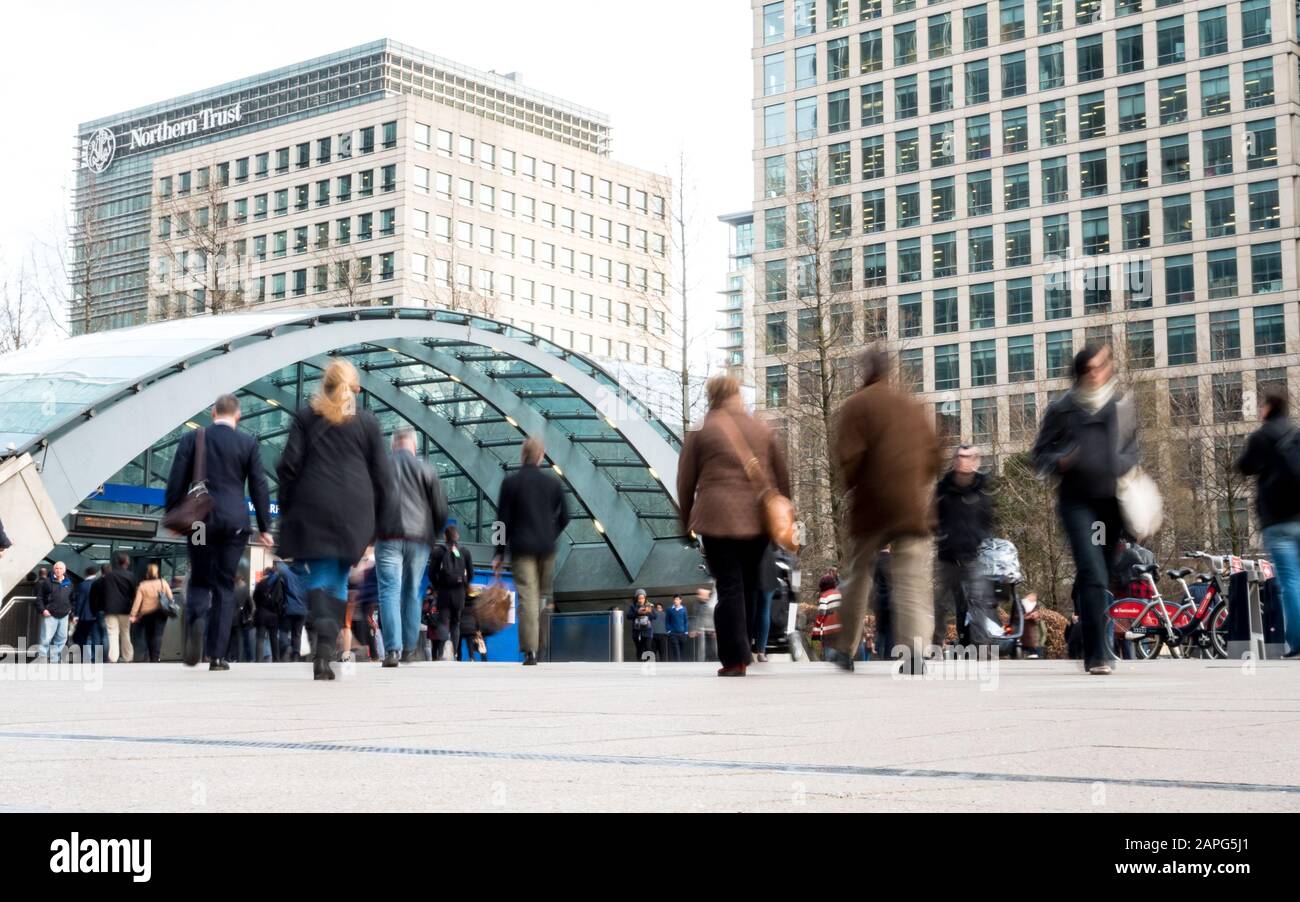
x,y
888,458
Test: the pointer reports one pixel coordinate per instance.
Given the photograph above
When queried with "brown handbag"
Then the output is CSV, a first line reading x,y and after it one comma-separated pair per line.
x,y
197,503
779,517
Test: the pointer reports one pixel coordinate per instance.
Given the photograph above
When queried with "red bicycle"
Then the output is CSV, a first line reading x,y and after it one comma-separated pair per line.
x,y
1193,627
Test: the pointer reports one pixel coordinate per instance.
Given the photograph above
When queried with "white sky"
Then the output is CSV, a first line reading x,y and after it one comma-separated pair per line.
x,y
672,75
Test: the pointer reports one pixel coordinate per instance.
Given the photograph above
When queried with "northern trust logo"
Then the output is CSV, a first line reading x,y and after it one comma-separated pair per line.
x,y
102,856
99,150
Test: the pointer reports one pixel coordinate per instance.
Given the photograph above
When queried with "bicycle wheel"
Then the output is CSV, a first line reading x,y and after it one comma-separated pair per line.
x,y
1119,648
1219,631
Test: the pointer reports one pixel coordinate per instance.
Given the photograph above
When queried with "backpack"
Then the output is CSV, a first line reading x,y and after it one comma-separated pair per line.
x,y
451,569
269,595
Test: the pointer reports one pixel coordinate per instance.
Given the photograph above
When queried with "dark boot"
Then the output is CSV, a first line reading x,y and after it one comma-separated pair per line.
x,y
328,614
195,634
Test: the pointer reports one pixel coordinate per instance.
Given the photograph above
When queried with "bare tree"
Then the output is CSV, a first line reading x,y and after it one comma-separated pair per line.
x,y
823,355
203,268
70,263
23,318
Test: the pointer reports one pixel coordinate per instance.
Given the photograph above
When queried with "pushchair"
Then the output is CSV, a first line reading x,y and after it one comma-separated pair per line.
x,y
1000,562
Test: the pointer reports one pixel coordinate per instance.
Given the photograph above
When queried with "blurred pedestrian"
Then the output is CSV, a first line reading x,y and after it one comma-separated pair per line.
x,y
227,460
659,627
451,570
678,623
1270,455
334,483
268,603
533,512
760,625
640,614
89,633
720,466
888,458
965,510
119,597
1087,441
416,513
148,610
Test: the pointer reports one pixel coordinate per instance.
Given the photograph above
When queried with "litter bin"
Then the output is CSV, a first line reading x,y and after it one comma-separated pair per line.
x,y
585,636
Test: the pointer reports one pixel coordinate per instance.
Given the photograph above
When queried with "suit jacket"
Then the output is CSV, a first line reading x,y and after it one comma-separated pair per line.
x,y
4,539
232,460
715,494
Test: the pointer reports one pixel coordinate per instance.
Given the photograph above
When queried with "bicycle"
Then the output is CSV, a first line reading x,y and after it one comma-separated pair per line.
x,y
1192,627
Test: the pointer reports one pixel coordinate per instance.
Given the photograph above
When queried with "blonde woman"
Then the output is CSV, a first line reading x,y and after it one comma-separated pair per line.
x,y
335,479
148,611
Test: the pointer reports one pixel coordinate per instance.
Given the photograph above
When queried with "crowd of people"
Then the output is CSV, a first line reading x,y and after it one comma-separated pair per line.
x,y
362,526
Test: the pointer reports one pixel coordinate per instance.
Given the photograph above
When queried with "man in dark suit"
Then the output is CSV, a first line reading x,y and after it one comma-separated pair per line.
x,y
231,460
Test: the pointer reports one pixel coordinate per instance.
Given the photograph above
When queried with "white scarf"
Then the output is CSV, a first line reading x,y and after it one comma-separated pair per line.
x,y
1094,399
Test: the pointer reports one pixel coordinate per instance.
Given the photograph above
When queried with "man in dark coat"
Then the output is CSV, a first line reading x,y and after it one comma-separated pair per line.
x,y
965,507
1277,501
232,460
54,600
533,512
119,587
888,457
89,632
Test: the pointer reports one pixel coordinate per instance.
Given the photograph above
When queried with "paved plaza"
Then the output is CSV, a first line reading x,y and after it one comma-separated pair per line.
x,y
1042,736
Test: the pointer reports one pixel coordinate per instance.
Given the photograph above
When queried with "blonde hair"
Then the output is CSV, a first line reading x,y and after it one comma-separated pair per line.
x,y
151,572
533,450
336,399
720,389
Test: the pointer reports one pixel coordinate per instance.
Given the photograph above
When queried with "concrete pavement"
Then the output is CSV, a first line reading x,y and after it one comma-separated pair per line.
x,y
1033,736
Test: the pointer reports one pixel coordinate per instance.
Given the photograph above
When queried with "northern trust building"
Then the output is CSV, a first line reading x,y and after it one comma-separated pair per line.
x,y
376,176
991,184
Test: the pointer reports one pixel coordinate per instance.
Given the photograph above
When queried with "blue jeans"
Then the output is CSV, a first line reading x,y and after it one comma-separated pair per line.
x,y
324,573
54,635
1283,544
399,565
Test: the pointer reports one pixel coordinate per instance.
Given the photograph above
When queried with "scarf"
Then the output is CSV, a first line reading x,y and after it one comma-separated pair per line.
x,y
1094,399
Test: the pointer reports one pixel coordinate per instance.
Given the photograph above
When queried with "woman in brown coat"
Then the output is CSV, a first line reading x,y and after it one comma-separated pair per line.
x,y
148,611
719,503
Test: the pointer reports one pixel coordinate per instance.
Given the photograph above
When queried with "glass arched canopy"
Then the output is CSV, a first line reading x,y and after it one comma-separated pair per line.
x,y
105,410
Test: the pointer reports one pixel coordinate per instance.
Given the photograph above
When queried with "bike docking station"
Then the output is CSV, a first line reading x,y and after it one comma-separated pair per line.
x,y
1255,647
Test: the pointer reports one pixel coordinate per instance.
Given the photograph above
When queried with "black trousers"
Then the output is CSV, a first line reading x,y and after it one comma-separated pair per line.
x,y
661,646
734,564
267,625
294,623
211,595
451,604
677,647
1093,528
153,625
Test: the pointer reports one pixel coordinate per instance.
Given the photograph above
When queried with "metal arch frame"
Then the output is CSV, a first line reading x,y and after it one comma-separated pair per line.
x,y
75,460
624,531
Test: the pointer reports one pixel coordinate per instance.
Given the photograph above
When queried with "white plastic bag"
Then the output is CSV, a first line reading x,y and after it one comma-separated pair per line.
x,y
1140,504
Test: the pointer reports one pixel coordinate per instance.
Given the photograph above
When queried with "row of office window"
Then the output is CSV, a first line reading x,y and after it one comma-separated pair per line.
x,y
1169,218
1021,357
1128,54
1099,285
506,286
1182,397
583,184
487,240
297,157
1129,110
1012,17
463,192
340,275
1253,143
318,236
297,199
1267,323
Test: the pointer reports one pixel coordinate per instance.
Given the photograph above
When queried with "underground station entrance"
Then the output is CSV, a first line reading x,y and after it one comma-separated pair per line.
x,y
88,428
